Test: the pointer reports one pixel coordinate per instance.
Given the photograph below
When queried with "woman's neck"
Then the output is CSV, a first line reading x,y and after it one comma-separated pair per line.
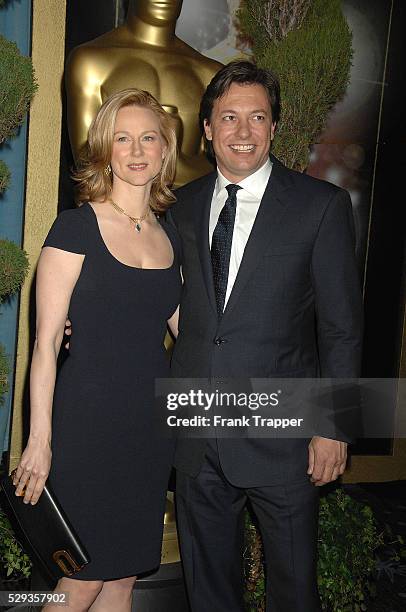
x,y
134,201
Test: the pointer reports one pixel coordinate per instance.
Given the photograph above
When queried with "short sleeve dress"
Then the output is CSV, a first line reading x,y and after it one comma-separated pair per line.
x,y
110,464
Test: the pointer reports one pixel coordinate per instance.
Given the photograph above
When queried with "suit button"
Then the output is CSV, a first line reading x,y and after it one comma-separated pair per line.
x,y
218,341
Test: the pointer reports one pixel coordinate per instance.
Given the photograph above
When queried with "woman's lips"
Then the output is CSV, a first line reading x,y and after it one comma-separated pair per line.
x,y
137,167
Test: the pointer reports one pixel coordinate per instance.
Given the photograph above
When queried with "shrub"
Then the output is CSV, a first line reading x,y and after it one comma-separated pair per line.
x,y
4,176
12,556
17,87
13,267
4,373
311,54
347,541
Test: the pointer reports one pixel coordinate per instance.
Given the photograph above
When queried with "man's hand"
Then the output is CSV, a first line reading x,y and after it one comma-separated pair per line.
x,y
327,459
68,331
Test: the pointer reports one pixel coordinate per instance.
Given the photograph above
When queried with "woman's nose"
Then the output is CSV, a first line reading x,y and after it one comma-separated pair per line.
x,y
136,148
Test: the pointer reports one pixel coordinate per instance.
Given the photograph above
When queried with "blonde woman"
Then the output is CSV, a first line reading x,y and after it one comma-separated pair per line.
x,y
112,265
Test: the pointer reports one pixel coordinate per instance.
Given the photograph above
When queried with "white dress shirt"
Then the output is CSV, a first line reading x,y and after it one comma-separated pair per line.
x,y
248,200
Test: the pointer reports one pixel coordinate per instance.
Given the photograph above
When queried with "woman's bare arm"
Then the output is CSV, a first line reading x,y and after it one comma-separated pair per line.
x,y
57,274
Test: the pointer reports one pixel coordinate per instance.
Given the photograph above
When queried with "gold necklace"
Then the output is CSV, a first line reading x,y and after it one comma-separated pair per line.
x,y
136,220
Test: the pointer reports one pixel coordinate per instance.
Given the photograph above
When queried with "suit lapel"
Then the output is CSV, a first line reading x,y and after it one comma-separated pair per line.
x,y
202,235
265,227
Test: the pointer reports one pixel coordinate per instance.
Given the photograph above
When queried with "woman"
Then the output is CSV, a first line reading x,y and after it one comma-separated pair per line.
x,y
114,268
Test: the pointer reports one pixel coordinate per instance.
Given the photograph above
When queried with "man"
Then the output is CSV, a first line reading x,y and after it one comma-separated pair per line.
x,y
270,290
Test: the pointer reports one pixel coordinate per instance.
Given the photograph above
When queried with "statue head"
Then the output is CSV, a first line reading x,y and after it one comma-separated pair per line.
x,y
156,12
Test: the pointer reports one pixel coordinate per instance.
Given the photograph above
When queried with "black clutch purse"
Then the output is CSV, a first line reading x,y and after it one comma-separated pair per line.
x,y
48,531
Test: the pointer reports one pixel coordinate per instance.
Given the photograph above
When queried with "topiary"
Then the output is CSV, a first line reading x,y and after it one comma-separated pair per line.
x,y
308,45
17,87
4,176
13,267
4,373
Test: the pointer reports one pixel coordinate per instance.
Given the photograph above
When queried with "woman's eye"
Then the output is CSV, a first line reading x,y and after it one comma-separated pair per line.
x,y
148,138
122,139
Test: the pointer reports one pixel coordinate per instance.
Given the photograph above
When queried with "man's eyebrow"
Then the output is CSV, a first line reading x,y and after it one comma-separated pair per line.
x,y
259,110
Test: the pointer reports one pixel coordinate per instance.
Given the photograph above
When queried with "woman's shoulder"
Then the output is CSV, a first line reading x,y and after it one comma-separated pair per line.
x,y
70,230
74,216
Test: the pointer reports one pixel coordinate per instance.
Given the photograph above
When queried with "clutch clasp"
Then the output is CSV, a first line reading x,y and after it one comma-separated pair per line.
x,y
66,562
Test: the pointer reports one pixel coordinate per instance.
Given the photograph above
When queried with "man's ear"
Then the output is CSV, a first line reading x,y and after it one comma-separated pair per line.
x,y
207,130
273,130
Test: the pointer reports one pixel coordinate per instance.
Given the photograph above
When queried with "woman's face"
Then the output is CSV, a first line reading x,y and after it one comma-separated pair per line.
x,y
138,146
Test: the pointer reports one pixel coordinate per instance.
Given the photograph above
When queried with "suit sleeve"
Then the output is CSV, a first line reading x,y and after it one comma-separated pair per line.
x,y
337,291
169,216
339,314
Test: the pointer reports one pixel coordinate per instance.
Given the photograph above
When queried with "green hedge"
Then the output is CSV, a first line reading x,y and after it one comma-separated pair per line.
x,y
13,267
313,65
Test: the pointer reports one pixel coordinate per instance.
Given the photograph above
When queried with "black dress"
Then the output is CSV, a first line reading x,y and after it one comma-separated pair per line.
x,y
110,466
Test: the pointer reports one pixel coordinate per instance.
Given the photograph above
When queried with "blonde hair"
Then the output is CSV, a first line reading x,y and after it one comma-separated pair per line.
x,y
93,181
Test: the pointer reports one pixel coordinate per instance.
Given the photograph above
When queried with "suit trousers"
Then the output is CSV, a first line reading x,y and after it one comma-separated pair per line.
x,y
210,515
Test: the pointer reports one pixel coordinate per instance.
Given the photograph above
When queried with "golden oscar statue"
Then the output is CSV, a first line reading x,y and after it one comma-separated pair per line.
x,y
143,53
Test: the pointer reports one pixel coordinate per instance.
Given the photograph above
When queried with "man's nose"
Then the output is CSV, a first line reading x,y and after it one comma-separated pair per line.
x,y
244,128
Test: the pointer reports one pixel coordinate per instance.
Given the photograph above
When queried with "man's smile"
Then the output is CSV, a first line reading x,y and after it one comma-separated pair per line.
x,y
242,148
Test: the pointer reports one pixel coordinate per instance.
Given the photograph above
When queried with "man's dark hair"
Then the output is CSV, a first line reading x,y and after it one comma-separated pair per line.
x,y
242,72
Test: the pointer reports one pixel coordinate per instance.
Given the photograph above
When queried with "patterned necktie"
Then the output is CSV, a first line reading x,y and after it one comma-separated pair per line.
x,y
221,246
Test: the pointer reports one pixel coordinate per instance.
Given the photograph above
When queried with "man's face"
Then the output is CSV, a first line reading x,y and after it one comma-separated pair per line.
x,y
241,130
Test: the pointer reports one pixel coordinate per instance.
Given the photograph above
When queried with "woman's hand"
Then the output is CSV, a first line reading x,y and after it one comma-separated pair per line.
x,y
32,471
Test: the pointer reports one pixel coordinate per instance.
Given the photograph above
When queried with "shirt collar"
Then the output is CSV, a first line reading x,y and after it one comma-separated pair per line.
x,y
254,184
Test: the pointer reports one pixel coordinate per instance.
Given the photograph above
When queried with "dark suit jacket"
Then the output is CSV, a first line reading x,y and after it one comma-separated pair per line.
x,y
295,309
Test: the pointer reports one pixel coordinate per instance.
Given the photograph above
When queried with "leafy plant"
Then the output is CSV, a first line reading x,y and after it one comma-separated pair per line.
x,y
348,539
308,45
4,176
12,556
391,558
4,372
255,589
347,542
13,267
17,87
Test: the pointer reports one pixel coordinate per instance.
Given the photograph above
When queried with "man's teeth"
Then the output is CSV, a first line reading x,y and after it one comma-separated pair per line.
x,y
242,147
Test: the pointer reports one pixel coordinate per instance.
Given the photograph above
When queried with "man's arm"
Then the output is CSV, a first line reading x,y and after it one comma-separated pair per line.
x,y
337,290
339,321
